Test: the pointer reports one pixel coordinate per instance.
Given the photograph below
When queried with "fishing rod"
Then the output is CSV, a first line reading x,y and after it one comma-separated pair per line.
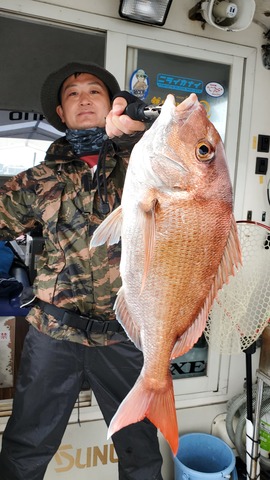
x,y
143,112
137,109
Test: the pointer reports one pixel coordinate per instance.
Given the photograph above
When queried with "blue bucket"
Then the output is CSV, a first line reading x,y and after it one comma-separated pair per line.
x,y
205,457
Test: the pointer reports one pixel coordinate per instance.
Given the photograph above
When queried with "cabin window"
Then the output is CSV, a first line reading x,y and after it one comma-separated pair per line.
x,y
29,56
178,75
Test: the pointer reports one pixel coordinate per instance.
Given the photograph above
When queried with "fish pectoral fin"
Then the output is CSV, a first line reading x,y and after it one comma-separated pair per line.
x,y
109,230
123,317
143,402
148,210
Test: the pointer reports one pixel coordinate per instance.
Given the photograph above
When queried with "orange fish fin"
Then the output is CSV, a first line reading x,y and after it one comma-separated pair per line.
x,y
142,402
149,228
230,261
109,230
192,334
123,317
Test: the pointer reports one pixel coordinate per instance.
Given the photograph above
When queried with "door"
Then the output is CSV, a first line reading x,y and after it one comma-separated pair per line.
x,y
219,82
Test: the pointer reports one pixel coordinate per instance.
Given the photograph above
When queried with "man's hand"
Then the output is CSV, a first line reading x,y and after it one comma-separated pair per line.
x,y
118,123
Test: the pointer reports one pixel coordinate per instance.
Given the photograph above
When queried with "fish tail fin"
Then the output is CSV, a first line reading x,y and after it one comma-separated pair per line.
x,y
157,405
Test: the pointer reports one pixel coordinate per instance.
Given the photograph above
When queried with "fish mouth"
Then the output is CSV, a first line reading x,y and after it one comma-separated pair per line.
x,y
165,159
181,113
185,109
189,104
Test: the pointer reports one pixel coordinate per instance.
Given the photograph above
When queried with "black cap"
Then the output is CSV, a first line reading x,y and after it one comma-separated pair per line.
x,y
53,83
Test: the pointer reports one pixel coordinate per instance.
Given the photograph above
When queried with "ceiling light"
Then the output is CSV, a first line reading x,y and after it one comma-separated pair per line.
x,y
153,12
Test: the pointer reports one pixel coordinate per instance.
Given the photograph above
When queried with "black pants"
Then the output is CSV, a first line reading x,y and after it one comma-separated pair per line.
x,y
50,379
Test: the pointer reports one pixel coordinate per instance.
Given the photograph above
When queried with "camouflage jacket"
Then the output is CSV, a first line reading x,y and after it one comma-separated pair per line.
x,y
62,195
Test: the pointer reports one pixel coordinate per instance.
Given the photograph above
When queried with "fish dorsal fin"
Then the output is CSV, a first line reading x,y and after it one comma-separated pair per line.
x,y
109,230
230,261
148,210
123,317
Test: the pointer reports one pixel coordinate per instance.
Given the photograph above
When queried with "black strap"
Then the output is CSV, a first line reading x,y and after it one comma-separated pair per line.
x,y
93,324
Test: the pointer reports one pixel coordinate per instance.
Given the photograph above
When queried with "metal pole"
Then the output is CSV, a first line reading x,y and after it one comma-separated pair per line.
x,y
256,433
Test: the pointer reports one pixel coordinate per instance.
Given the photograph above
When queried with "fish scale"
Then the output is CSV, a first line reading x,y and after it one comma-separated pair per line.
x,y
179,245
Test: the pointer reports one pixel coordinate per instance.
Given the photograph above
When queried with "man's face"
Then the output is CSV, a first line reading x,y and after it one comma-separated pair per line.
x,y
85,102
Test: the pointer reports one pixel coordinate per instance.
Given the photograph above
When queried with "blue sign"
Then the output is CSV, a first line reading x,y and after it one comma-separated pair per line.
x,y
173,82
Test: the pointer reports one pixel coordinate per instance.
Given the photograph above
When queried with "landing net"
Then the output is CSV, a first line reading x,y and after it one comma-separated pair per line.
x,y
241,310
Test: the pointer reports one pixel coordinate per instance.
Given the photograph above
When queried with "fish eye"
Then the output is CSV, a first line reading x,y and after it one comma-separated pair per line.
x,y
204,151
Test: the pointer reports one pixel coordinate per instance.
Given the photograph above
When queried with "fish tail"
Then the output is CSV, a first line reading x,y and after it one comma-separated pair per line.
x,y
157,405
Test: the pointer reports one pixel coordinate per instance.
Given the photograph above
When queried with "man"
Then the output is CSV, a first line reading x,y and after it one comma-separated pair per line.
x,y
74,336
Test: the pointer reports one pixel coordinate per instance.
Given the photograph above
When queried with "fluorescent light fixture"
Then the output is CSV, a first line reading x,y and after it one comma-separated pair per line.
x,y
153,12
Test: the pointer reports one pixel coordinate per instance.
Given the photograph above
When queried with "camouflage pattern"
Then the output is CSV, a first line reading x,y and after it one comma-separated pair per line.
x,y
61,194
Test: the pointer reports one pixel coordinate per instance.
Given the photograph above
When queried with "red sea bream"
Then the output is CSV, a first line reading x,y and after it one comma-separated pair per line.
x,y
179,246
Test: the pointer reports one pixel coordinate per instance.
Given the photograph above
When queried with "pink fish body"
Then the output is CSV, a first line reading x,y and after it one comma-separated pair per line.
x,y
179,246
